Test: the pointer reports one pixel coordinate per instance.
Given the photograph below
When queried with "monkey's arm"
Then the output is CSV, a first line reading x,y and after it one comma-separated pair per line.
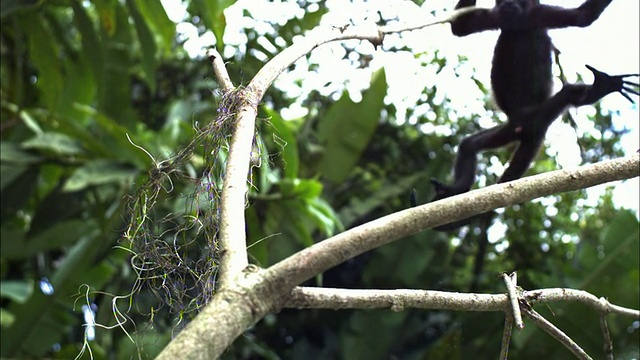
x,y
550,17
475,21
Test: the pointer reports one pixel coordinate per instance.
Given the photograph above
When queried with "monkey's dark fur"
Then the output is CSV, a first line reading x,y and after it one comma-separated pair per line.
x,y
522,83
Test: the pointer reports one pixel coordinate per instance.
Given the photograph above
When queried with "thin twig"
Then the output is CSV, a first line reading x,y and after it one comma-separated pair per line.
x,y
556,333
506,336
511,281
604,327
219,70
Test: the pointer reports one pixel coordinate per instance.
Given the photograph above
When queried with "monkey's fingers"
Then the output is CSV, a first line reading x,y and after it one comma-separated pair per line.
x,y
626,96
628,75
630,89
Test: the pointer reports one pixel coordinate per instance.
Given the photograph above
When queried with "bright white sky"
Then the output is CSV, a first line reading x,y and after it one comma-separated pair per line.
x,y
611,44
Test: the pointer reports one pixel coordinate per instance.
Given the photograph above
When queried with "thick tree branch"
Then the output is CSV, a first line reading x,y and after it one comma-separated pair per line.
x,y
257,293
232,242
333,251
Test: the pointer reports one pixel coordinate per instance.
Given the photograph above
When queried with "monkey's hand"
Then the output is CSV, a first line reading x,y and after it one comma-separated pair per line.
x,y
605,84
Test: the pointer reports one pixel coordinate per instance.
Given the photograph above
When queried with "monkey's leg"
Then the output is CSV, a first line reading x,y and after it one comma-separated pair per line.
x,y
531,126
464,171
466,162
522,158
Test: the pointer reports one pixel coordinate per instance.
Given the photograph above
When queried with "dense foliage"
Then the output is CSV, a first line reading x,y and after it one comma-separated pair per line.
x,y
107,122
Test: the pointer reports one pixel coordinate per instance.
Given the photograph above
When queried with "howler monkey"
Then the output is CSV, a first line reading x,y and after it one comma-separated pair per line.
x,y
522,83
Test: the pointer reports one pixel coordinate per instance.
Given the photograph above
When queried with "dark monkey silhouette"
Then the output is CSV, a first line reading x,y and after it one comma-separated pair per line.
x,y
522,83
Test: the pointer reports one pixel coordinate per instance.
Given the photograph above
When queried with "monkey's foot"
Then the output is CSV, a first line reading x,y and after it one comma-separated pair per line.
x,y
604,84
444,191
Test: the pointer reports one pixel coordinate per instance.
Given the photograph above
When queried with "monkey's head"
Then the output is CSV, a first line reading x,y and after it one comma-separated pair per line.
x,y
512,12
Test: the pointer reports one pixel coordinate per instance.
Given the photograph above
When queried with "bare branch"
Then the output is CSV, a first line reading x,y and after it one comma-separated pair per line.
x,y
333,251
447,18
396,300
219,70
511,281
608,343
233,243
506,336
560,294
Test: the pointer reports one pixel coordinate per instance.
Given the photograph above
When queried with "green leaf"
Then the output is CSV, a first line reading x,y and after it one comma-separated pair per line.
x,y
8,7
284,137
213,17
17,193
43,54
16,290
6,318
54,143
156,17
99,172
324,217
107,14
358,207
15,246
302,188
115,92
91,44
12,153
115,138
147,44
348,127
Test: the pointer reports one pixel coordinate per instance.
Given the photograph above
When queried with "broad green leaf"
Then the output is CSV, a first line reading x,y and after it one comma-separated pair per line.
x,y
357,208
62,233
39,322
54,143
16,290
115,93
107,14
99,172
6,318
147,44
614,262
348,127
8,7
213,16
156,17
92,45
12,153
284,137
324,217
370,335
301,188
10,172
115,139
42,51
17,193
